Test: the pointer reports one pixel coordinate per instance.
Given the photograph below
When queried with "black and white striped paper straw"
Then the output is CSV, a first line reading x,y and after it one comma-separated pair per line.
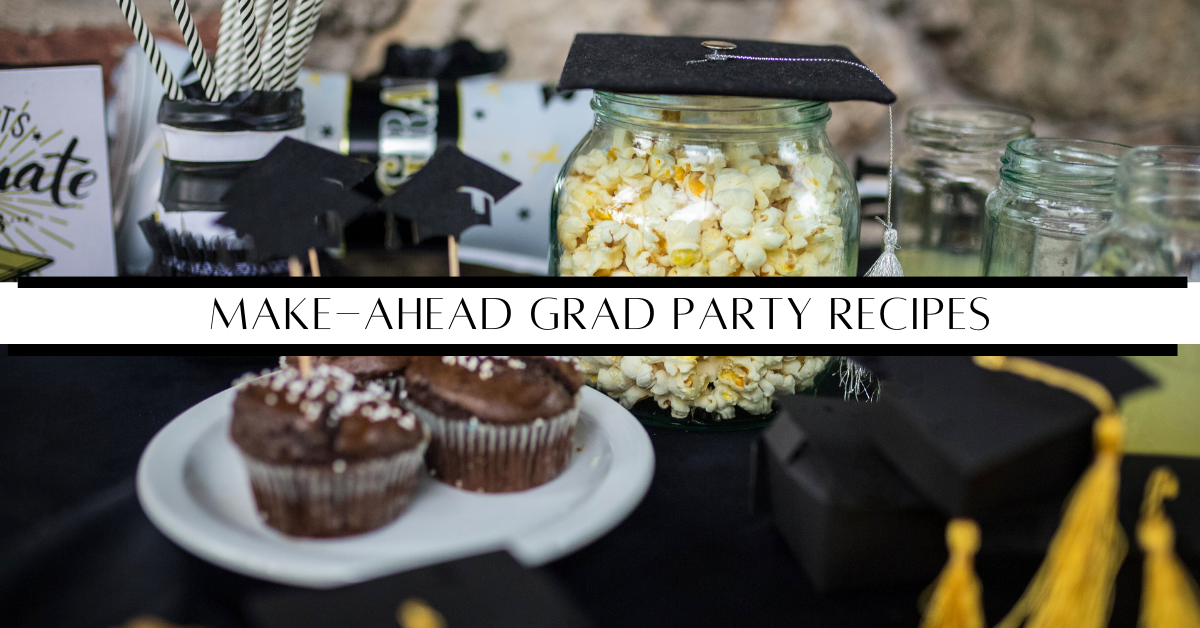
x,y
273,57
229,49
262,12
252,76
195,47
142,33
299,36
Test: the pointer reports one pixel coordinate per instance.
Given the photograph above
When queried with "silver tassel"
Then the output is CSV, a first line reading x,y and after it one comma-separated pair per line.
x,y
856,381
887,265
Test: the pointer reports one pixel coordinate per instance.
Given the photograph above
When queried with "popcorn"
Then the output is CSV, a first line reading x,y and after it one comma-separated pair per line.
x,y
588,164
749,254
737,222
718,385
734,199
653,208
765,178
683,241
661,165
712,243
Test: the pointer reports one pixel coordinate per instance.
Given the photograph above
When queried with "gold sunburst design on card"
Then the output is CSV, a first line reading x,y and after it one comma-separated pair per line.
x,y
42,178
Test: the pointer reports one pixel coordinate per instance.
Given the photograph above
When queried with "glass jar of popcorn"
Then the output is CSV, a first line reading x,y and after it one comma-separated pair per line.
x,y
705,185
714,391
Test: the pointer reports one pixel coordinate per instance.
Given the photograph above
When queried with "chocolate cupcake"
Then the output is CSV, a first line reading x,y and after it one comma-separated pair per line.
x,y
326,458
385,370
499,423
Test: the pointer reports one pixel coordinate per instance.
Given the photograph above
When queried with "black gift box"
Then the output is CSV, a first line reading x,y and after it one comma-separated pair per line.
x,y
847,514
974,441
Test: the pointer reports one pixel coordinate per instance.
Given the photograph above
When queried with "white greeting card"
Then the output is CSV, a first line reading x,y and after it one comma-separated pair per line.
x,y
54,186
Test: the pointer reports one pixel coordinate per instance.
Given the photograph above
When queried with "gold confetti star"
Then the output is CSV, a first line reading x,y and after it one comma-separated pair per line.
x,y
548,157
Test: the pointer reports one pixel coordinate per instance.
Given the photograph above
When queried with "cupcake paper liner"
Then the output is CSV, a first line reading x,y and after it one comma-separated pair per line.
x,y
319,501
478,456
191,255
393,385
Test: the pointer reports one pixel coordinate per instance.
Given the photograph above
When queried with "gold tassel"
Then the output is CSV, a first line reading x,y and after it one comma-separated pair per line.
x,y
1074,585
416,613
956,597
1169,594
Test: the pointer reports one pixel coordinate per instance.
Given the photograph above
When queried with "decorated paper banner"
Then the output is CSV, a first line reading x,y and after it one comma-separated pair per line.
x,y
54,185
525,130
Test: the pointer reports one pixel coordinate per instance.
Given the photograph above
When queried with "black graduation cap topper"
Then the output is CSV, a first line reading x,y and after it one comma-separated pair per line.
x,y
289,201
292,157
643,64
449,194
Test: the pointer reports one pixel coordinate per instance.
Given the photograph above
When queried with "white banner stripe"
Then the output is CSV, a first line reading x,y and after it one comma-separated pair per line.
x,y
539,315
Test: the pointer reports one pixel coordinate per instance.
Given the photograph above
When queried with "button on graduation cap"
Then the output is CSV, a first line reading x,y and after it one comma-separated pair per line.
x,y
285,200
452,192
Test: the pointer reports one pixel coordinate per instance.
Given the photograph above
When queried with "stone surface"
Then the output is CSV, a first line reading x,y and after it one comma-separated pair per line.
x,y
735,19
535,33
1130,64
1122,70
880,43
44,16
103,44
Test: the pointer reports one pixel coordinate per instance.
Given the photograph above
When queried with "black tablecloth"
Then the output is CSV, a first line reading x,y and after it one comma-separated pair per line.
x,y
74,543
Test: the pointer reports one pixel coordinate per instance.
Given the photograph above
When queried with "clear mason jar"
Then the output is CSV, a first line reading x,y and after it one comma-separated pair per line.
x,y
704,185
1155,230
943,177
1053,193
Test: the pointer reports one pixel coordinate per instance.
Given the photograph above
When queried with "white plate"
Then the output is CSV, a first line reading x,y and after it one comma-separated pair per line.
x,y
193,485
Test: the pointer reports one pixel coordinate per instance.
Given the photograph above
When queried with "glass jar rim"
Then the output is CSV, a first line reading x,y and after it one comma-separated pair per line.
x,y
705,102
967,121
1063,164
709,114
1184,159
1160,183
1068,152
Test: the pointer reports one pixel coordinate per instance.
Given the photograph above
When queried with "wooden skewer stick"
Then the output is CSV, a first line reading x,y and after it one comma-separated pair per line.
x,y
305,365
452,251
294,267
312,263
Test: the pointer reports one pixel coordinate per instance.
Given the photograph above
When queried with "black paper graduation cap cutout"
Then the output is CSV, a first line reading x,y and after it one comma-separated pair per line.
x,y
643,64
293,198
975,441
292,157
449,194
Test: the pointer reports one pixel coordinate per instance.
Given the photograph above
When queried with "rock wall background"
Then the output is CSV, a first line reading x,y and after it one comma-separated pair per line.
x,y
1121,70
